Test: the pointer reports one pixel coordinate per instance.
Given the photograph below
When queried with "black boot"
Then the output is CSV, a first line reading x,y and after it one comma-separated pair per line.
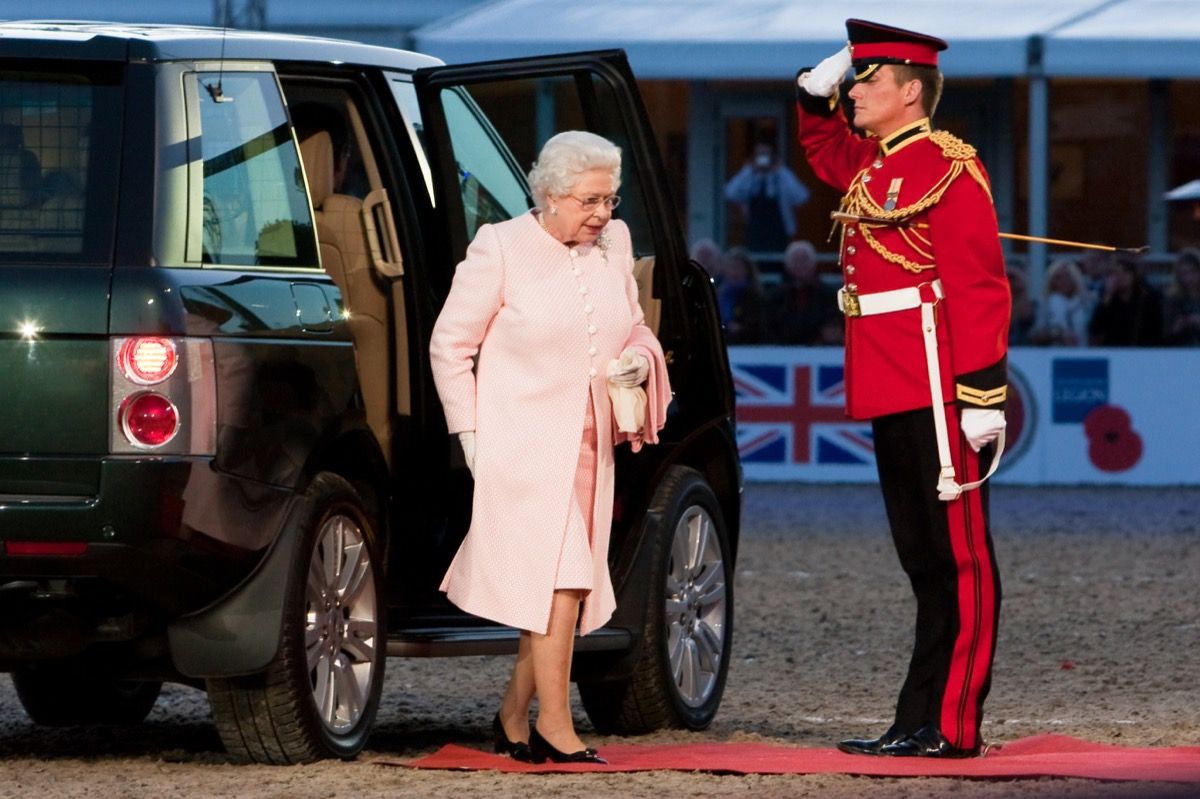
x,y
927,742
872,746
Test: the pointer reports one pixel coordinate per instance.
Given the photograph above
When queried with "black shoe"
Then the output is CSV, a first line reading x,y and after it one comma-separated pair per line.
x,y
927,742
540,749
517,750
871,746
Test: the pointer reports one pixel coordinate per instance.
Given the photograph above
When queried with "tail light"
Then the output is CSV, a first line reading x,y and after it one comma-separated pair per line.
x,y
148,419
163,396
147,361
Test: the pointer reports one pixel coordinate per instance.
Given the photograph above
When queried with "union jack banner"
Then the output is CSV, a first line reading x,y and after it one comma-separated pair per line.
x,y
790,416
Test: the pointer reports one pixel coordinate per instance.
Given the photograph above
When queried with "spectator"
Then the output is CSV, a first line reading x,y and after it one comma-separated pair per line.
x,y
1062,315
767,192
1130,313
1095,266
800,308
1181,308
706,253
1024,308
739,297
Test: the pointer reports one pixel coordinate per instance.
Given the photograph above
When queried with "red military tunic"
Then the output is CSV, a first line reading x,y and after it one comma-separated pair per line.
x,y
935,193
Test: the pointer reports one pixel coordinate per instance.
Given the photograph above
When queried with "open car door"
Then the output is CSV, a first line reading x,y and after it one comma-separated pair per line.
x,y
486,122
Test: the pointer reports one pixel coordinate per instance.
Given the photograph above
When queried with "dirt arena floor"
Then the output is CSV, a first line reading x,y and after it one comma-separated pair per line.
x,y
1098,640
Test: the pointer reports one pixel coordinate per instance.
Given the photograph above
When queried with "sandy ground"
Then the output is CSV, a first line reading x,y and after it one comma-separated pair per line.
x,y
1098,640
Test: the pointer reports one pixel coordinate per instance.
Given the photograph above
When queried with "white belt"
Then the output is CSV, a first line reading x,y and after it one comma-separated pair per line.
x,y
852,304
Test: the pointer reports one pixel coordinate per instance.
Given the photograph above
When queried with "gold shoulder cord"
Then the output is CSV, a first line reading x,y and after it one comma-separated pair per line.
x,y
858,201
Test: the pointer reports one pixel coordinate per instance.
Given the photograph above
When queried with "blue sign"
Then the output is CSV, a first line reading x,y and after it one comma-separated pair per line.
x,y
1079,384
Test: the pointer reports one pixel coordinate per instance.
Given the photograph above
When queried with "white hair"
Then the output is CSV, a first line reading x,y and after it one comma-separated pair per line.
x,y
564,159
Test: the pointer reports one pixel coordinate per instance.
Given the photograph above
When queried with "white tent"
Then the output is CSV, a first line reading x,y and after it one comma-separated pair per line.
x,y
715,39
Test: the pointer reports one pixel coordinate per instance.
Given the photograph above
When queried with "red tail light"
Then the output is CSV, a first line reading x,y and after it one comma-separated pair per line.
x,y
146,361
148,419
162,396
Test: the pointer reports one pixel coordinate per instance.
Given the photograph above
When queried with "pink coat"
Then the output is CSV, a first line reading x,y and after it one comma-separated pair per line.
x,y
544,336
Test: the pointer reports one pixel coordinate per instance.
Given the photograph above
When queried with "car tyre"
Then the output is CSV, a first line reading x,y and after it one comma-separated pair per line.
x,y
679,677
57,695
318,698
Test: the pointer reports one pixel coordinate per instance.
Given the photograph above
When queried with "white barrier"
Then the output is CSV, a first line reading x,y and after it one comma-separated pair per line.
x,y
1076,416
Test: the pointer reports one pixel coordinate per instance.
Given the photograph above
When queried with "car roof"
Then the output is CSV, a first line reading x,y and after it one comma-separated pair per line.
x,y
116,41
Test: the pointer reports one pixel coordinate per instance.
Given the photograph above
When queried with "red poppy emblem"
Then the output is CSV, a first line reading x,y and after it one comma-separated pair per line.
x,y
1113,444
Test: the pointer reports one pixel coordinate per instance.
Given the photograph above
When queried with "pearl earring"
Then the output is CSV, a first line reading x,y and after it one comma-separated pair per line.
x,y
554,210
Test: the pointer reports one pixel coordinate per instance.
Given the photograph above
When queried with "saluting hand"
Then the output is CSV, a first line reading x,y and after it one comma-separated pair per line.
x,y
824,78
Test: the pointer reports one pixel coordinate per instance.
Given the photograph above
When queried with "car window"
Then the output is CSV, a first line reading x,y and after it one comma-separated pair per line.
x,y
256,210
490,189
59,133
525,112
410,110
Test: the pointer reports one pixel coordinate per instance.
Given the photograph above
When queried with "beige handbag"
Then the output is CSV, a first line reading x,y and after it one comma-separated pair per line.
x,y
629,407
629,403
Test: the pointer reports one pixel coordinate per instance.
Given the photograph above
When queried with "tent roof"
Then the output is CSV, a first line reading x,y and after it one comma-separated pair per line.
x,y
715,39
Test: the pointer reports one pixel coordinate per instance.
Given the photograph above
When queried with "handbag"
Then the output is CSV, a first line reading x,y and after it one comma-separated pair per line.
x,y
629,407
628,402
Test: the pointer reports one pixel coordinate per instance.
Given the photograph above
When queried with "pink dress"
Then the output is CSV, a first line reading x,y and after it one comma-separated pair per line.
x,y
544,321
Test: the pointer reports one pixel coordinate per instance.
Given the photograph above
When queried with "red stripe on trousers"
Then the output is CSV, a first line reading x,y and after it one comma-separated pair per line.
x,y
970,660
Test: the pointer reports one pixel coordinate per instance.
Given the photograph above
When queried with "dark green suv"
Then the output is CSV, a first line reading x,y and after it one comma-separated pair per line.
x,y
222,458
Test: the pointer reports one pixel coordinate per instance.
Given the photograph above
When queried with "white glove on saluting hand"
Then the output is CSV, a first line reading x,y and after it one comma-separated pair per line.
x,y
467,439
824,78
630,370
981,426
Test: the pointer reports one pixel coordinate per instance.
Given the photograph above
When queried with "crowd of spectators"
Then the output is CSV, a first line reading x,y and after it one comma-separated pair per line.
x,y
798,308
1099,300
1106,300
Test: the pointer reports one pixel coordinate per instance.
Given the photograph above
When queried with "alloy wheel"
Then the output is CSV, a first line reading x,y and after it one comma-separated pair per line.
x,y
341,629
695,607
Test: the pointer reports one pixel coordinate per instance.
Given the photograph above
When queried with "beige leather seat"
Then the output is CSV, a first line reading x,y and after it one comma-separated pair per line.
x,y
345,256
643,275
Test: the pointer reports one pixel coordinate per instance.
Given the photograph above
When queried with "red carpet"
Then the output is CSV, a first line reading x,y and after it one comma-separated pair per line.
x,y
1037,756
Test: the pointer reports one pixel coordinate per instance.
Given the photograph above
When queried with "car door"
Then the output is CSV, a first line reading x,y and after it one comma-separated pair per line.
x,y
512,107
482,126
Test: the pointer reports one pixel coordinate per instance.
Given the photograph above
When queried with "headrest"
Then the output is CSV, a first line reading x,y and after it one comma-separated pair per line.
x,y
317,152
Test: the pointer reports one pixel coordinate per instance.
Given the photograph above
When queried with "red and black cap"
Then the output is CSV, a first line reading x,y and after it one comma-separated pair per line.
x,y
873,44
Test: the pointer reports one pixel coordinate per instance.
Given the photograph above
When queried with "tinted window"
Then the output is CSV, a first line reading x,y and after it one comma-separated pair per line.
x,y
526,112
59,155
256,210
491,192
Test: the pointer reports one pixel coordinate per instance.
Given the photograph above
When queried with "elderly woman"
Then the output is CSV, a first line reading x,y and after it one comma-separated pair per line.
x,y
549,304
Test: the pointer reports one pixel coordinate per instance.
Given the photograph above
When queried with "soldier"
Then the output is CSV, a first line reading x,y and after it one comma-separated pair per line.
x,y
927,310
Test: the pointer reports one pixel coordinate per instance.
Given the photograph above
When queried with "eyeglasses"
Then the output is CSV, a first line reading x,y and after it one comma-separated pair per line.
x,y
592,203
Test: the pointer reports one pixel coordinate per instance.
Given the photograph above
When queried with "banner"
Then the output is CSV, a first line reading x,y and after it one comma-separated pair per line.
x,y
1075,416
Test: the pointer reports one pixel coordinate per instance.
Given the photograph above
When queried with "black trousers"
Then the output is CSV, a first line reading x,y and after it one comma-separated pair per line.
x,y
945,548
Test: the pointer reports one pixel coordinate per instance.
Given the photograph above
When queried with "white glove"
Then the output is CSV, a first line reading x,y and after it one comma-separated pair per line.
x,y
630,370
823,79
981,426
467,439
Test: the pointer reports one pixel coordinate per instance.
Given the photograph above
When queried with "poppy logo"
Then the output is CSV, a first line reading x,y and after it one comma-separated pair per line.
x,y
1113,444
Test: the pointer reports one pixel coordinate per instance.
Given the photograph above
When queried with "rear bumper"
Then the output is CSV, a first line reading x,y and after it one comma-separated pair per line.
x,y
169,533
